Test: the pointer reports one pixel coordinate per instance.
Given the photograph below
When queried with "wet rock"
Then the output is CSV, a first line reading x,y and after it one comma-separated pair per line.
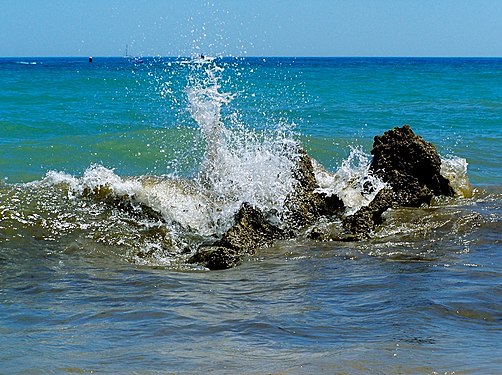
x,y
359,225
353,227
410,165
250,232
304,205
217,257
329,204
411,168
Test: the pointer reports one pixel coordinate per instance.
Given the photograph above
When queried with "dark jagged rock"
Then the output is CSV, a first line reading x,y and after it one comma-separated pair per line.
x,y
301,205
361,223
410,165
217,257
354,227
304,172
411,168
304,205
250,232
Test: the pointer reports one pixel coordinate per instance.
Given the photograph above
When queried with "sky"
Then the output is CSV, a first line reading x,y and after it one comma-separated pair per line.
x,y
251,28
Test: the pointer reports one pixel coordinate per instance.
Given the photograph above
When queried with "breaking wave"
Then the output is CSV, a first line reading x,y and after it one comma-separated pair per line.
x,y
161,219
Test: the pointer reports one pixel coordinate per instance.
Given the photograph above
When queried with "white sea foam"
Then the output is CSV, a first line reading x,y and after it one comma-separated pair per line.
x,y
95,177
353,182
59,178
180,202
455,170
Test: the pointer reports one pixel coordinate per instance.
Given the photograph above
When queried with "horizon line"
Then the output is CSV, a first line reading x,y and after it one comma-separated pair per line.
x,y
256,56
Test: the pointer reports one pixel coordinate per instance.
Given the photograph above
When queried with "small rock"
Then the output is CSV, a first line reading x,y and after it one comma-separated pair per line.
x,y
360,224
216,257
411,168
250,231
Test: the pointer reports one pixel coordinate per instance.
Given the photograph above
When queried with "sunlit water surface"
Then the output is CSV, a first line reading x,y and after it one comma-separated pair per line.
x,y
89,287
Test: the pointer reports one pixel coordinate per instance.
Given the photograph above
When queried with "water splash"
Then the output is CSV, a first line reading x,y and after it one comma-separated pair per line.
x,y
239,165
353,182
206,100
454,169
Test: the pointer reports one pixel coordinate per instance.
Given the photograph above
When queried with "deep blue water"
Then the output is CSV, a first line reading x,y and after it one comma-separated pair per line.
x,y
423,296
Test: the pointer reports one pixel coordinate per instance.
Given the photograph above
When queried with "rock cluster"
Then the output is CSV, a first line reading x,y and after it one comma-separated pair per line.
x,y
408,165
252,230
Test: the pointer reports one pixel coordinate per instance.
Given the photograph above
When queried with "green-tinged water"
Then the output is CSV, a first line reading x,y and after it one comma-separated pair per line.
x,y
90,283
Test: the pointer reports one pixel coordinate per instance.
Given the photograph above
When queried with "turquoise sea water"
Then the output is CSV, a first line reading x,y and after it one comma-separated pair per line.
x,y
78,294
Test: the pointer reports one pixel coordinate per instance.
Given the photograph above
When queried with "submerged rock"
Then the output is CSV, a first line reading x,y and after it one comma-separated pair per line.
x,y
217,257
125,202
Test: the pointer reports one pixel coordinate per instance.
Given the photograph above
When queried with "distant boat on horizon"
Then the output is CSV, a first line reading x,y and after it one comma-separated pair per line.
x,y
132,59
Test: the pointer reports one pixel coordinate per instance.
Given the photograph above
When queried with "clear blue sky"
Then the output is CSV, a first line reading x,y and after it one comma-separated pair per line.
x,y
252,27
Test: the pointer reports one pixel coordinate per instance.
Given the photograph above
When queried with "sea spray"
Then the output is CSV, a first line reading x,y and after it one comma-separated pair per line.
x,y
454,169
240,165
353,182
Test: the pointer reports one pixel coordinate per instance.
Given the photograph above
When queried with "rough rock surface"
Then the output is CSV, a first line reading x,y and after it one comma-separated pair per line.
x,y
304,205
411,168
410,165
360,224
216,257
250,232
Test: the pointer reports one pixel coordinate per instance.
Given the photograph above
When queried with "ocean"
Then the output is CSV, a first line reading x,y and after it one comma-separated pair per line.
x,y
92,283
